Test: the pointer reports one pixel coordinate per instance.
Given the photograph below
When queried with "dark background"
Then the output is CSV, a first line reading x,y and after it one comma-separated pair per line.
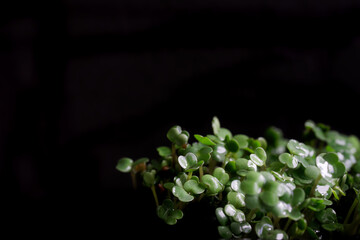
x,y
84,83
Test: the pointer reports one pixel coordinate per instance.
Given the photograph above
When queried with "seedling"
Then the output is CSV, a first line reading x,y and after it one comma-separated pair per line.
x,y
267,187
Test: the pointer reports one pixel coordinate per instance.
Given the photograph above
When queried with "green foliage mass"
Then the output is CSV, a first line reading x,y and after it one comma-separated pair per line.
x,y
268,187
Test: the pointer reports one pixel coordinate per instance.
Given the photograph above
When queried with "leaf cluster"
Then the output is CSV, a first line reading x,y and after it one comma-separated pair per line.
x,y
267,187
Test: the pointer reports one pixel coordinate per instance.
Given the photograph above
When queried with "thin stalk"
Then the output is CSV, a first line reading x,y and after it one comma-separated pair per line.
x,y
287,225
133,179
189,175
353,206
212,165
155,195
201,172
317,180
173,155
251,214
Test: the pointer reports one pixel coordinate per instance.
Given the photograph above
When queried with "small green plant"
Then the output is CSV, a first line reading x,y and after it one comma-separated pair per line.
x,y
267,187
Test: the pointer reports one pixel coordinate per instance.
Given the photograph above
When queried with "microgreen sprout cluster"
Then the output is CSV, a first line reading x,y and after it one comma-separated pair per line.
x,y
267,187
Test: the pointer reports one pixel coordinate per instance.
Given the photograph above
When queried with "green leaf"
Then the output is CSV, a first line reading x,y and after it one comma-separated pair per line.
x,y
224,232
289,160
329,165
298,197
181,194
245,227
124,165
250,187
327,215
295,214
243,165
221,175
204,140
242,140
221,217
259,157
300,149
237,199
252,201
318,204
230,210
235,185
256,177
139,161
164,151
263,226
219,153
213,185
236,228
149,178
312,172
169,185
239,216
276,235
332,226
173,133
215,125
188,161
194,187
167,212
269,198
223,132
232,146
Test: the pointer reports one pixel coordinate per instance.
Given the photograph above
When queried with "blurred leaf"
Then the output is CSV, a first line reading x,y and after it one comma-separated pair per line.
x,y
164,151
124,165
224,232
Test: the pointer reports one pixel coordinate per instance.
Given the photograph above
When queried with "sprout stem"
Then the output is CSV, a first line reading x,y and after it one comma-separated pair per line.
x,y
317,180
353,206
287,225
155,195
189,175
133,179
201,172
212,165
251,214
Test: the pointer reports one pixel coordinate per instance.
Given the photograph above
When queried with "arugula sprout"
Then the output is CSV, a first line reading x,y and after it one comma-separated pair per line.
x,y
267,187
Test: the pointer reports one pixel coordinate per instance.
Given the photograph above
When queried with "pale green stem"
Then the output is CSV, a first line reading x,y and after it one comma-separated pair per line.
x,y
133,179
251,214
287,225
189,175
317,180
201,172
353,206
155,195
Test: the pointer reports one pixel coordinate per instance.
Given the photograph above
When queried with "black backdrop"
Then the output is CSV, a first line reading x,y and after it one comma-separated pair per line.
x,y
84,83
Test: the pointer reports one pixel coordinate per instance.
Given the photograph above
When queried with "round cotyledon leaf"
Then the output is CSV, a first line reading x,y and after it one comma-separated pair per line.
x,y
194,187
269,198
124,165
181,194
187,161
221,216
237,199
221,175
250,187
213,185
289,160
224,232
